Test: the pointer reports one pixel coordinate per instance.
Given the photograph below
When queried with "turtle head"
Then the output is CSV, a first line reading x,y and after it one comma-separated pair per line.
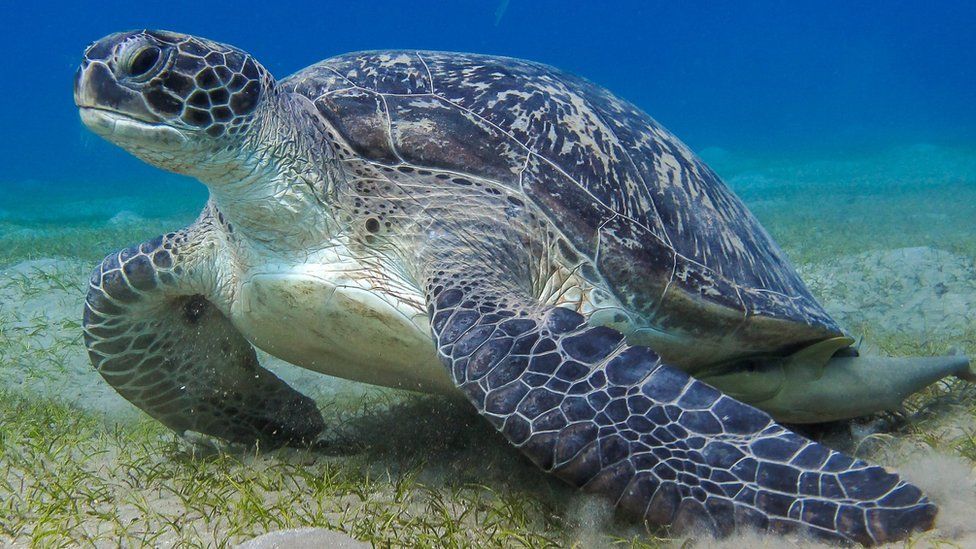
x,y
179,102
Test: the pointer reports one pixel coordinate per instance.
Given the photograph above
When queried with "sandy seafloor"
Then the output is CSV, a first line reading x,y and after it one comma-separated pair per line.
x,y
885,238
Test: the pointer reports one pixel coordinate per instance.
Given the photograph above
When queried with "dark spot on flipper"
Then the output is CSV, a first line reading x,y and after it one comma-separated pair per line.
x,y
745,469
571,371
809,483
692,515
372,225
578,409
553,420
617,410
194,308
613,448
152,245
747,517
573,439
96,305
664,385
128,253
838,462
611,480
298,424
545,364
540,448
162,259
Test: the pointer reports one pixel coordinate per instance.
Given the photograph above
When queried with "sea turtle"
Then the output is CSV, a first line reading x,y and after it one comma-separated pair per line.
x,y
485,227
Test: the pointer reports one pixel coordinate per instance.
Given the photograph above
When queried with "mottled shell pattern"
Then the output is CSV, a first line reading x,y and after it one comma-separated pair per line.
x,y
647,218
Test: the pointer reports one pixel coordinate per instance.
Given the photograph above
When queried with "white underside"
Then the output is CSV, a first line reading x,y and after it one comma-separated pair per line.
x,y
327,317
331,314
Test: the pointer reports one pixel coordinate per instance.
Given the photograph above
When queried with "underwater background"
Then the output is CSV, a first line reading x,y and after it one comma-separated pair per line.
x,y
847,127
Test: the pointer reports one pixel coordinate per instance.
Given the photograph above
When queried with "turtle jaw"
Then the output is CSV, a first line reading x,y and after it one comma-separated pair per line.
x,y
132,133
119,114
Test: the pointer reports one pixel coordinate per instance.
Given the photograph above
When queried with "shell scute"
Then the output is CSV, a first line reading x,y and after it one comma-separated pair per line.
x,y
665,233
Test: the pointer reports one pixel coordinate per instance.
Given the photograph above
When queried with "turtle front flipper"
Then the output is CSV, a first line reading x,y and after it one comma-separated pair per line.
x,y
168,350
614,420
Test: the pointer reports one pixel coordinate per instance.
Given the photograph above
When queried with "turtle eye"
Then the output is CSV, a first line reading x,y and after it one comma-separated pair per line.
x,y
141,61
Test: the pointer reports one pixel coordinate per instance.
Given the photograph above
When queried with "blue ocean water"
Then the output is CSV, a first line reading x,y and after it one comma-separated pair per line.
x,y
847,126
755,75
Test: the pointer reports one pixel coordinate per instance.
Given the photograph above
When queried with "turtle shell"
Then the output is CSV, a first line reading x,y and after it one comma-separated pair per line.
x,y
664,233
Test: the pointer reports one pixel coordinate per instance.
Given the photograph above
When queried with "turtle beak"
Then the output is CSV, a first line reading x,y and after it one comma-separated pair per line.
x,y
96,86
114,110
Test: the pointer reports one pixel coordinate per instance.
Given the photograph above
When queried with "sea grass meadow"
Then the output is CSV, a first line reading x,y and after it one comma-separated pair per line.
x,y
847,127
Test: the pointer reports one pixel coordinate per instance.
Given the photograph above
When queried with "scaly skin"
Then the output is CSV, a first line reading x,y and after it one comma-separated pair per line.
x,y
612,418
164,347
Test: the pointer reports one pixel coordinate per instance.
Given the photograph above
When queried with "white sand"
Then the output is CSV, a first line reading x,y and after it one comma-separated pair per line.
x,y
921,292
916,292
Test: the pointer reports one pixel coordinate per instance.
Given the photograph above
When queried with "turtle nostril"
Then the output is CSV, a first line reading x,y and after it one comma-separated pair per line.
x,y
143,61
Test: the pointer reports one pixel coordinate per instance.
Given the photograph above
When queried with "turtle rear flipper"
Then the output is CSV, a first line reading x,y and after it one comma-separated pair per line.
x,y
173,354
816,384
614,420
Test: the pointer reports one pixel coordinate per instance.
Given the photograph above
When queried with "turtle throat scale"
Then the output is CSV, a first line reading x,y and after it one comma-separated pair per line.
x,y
277,185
